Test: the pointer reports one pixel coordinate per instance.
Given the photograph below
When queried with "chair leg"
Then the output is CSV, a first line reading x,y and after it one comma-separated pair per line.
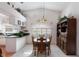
x,y
49,51
34,49
37,52
34,53
45,52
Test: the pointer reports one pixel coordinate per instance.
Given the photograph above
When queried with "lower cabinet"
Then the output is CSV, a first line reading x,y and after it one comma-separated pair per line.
x,y
66,35
15,44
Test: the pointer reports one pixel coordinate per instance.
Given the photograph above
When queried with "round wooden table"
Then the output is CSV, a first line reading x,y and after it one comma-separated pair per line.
x,y
41,44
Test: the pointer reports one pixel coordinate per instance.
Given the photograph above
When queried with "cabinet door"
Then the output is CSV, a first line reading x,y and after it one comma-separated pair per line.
x,y
10,44
4,19
22,23
2,41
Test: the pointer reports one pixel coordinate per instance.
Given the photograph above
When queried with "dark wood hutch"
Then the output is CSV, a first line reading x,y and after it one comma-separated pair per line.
x,y
66,35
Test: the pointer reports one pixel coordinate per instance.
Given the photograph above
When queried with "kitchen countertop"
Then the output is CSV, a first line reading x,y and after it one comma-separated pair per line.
x,y
10,36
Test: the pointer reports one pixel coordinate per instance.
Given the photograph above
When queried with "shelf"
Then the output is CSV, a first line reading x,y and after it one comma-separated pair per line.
x,y
64,21
66,36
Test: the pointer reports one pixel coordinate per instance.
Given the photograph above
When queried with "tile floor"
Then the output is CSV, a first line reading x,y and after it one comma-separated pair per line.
x,y
4,52
27,51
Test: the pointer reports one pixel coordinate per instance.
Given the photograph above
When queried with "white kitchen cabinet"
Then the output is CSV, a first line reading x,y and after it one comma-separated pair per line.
x,y
15,44
2,40
4,19
13,15
12,29
18,21
8,28
21,22
10,44
20,43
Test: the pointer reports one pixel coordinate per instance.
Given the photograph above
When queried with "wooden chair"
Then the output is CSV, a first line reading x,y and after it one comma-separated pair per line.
x,y
48,45
41,46
35,46
0,52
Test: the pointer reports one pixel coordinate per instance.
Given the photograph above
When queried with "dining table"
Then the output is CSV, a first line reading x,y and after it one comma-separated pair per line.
x,y
38,40
41,44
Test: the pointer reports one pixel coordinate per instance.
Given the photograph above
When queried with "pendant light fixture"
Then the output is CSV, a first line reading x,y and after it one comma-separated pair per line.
x,y
43,19
21,2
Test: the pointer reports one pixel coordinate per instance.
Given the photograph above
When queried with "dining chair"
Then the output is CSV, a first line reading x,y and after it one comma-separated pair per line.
x,y
35,46
48,45
41,46
0,52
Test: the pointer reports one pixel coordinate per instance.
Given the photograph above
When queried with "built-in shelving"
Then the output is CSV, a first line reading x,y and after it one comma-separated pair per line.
x,y
66,35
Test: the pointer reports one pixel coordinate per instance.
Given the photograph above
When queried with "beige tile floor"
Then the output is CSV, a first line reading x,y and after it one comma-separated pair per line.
x,y
27,51
4,52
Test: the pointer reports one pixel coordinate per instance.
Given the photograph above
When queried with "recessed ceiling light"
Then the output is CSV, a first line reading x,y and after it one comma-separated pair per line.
x,y
18,9
13,6
8,3
21,2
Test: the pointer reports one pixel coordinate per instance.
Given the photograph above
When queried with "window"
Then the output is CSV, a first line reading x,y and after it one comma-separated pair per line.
x,y
41,30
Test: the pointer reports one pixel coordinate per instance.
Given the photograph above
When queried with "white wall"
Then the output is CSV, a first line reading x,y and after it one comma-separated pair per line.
x,y
34,15
73,10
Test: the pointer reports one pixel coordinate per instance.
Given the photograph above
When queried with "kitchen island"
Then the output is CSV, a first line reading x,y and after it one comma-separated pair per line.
x,y
12,44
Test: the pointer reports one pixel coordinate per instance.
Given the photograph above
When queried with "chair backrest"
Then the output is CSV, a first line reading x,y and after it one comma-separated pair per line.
x,y
0,52
41,44
32,38
34,43
50,38
42,39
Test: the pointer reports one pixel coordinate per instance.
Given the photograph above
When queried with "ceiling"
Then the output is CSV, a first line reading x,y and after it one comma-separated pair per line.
x,y
25,6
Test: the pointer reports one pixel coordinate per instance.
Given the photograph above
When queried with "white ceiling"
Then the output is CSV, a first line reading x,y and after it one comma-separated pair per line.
x,y
57,6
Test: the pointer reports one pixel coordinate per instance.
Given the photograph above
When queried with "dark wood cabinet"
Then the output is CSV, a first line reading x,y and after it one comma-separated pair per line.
x,y
66,35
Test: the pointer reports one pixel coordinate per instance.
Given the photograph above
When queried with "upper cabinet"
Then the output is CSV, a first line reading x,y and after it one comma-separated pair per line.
x,y
4,19
10,16
20,21
13,15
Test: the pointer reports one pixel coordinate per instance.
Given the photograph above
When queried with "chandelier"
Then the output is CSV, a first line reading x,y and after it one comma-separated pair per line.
x,y
43,19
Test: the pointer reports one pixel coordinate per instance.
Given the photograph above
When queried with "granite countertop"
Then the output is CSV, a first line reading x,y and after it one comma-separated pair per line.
x,y
10,35
4,36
